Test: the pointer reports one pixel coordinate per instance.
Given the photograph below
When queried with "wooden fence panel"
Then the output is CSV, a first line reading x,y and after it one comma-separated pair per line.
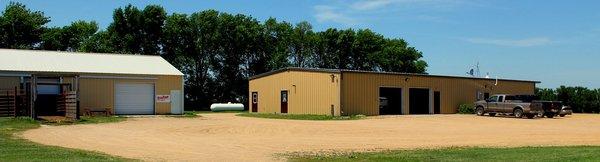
x,y
68,103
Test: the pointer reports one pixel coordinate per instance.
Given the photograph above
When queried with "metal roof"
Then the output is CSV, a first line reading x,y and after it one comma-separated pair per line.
x,y
374,72
37,61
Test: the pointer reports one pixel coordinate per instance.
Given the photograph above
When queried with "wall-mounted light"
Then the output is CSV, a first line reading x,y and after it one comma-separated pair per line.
x,y
406,79
332,78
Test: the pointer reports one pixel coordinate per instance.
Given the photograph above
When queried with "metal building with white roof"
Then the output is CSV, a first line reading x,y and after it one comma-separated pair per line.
x,y
51,83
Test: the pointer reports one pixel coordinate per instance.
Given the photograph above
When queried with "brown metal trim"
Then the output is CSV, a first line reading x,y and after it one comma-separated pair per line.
x,y
294,69
376,72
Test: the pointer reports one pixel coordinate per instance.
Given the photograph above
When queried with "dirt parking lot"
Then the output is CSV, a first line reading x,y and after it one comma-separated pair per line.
x,y
226,137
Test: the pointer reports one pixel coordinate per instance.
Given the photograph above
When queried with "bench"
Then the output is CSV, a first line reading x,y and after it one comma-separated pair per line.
x,y
91,112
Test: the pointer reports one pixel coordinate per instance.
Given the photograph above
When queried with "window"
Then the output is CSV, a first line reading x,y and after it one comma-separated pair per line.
x,y
501,99
493,99
284,96
511,98
254,97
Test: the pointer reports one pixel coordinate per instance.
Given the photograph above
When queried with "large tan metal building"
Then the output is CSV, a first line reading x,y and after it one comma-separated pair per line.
x,y
349,92
48,83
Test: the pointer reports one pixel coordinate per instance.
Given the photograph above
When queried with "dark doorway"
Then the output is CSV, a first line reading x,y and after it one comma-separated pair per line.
x,y
47,99
390,101
419,100
284,101
254,101
436,102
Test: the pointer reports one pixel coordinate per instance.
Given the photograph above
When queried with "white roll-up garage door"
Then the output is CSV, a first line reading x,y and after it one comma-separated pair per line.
x,y
134,98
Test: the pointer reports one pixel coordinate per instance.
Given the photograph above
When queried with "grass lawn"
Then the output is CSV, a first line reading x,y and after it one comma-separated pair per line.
x,y
566,153
88,120
16,149
210,112
186,114
300,116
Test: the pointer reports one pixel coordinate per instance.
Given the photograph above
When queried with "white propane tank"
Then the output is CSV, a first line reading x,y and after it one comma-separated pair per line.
x,y
227,107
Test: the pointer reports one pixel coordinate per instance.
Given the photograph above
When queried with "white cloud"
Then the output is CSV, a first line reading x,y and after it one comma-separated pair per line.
x,y
370,4
354,12
363,5
331,14
527,42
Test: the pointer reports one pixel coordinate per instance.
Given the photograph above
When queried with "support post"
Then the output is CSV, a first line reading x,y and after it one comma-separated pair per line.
x,y
76,86
33,97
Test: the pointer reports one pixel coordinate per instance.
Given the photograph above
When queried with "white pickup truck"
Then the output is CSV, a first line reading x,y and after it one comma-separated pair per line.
x,y
517,105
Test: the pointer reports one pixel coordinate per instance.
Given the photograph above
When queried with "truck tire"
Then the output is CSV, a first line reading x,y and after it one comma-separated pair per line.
x,y
492,114
530,116
550,115
479,111
518,113
562,115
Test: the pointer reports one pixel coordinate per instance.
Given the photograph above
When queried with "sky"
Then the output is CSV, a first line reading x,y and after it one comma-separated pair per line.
x,y
555,42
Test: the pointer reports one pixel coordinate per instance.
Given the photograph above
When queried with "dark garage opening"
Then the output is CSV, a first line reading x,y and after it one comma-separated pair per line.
x,y
390,101
436,102
419,101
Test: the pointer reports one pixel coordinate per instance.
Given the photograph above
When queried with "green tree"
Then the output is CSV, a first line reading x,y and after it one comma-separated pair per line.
x,y
137,31
68,38
277,39
183,49
302,45
21,27
546,94
397,56
366,48
581,99
99,42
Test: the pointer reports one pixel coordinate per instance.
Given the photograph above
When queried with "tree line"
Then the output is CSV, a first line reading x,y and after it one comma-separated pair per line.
x,y
216,51
581,99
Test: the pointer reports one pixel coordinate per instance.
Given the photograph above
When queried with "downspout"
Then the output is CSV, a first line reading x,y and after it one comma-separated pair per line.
x,y
341,94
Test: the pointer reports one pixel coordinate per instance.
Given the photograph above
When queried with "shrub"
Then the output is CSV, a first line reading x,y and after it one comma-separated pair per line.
x,y
465,109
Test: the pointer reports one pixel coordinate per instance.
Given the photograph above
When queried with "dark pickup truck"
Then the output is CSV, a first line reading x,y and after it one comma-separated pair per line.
x,y
517,105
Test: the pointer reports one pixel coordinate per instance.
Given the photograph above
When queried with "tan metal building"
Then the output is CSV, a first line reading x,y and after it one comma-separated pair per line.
x,y
350,92
120,83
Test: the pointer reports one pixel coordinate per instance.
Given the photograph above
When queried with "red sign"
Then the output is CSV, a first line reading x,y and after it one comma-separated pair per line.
x,y
163,98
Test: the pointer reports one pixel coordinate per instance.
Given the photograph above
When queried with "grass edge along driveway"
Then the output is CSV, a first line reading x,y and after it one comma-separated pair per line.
x,y
300,116
17,149
542,154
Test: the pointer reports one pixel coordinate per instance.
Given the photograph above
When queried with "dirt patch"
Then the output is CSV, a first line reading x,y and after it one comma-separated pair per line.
x,y
226,137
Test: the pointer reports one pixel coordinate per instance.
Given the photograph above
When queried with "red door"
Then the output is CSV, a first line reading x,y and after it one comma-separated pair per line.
x,y
254,101
284,101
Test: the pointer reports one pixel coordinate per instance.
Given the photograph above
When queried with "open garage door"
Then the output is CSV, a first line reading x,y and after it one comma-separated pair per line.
x,y
134,98
390,101
419,101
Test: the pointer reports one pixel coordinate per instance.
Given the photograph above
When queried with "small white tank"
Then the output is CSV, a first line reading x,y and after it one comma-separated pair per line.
x,y
227,107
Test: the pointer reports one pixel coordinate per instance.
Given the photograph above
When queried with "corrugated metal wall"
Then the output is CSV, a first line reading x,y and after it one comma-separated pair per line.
x,y
164,86
98,93
95,94
360,91
9,82
309,92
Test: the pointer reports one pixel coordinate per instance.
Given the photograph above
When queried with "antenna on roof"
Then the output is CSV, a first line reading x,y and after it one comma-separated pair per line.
x,y
474,71
477,68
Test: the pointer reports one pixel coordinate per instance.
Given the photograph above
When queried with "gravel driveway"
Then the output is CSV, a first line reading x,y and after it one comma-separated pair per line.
x,y
226,137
